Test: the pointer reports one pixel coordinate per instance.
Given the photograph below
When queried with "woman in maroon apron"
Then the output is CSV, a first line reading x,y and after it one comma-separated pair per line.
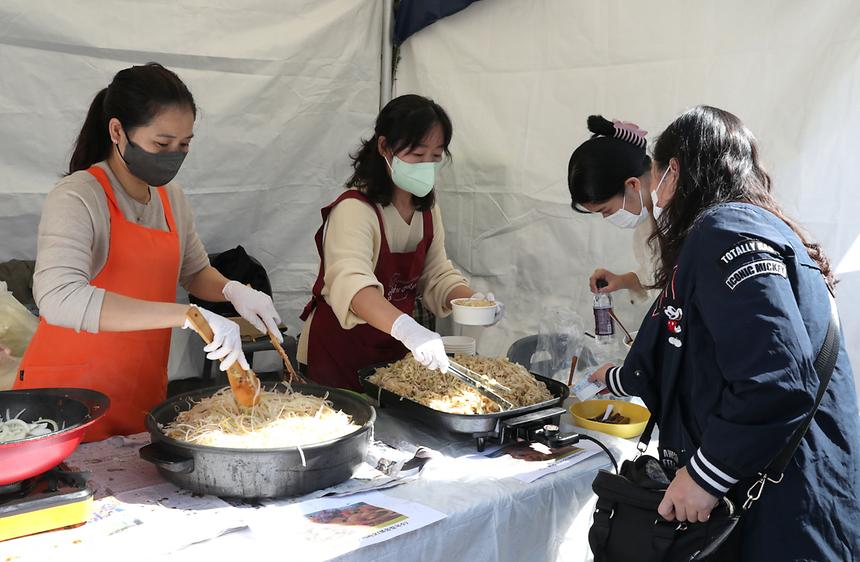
x,y
349,323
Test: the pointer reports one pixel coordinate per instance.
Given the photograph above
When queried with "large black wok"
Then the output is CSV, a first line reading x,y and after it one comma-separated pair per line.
x,y
259,473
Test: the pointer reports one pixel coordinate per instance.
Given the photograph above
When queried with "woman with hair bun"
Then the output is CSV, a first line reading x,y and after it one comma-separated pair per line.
x,y
609,174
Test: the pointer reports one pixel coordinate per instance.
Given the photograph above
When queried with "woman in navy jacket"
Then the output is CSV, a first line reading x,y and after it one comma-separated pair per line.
x,y
743,312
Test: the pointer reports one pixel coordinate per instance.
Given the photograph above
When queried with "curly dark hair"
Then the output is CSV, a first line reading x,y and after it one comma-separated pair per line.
x,y
718,162
404,122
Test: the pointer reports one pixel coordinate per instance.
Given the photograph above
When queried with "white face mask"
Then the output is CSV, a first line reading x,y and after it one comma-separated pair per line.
x,y
657,209
622,218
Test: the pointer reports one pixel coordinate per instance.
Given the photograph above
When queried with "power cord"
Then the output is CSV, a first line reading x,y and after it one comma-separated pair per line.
x,y
605,450
553,439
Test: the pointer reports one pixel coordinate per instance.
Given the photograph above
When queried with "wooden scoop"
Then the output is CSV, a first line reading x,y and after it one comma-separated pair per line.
x,y
292,375
244,384
612,314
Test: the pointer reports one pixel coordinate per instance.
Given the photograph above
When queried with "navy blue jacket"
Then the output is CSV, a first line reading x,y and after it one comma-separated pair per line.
x,y
737,330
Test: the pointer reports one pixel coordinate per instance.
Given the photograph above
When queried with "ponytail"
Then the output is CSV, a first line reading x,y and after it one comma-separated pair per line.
x,y
93,144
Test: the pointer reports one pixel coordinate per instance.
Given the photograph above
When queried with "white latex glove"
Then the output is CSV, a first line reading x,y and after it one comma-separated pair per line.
x,y
226,345
500,308
426,346
254,306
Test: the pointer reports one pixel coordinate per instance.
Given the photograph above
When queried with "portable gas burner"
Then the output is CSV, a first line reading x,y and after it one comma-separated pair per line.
x,y
540,426
52,500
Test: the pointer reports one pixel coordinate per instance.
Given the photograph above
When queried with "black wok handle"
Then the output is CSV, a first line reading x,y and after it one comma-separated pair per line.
x,y
171,462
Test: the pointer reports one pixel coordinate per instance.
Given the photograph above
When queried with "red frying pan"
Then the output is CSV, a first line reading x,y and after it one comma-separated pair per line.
x,y
74,409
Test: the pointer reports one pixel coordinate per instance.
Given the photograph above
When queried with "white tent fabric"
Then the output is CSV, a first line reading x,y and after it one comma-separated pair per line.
x,y
519,79
285,90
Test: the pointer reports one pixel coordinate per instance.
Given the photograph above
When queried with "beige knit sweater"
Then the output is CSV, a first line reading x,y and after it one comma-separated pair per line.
x,y
351,248
74,238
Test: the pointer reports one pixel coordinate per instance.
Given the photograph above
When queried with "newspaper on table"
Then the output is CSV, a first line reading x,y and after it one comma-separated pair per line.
x,y
134,503
323,528
130,521
526,461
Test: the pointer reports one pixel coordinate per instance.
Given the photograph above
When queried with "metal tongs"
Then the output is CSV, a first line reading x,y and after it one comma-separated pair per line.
x,y
483,384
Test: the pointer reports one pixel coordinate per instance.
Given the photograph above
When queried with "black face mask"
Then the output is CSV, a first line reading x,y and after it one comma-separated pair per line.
x,y
155,168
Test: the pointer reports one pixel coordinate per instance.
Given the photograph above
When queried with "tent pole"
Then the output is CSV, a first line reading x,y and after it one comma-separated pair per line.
x,y
387,82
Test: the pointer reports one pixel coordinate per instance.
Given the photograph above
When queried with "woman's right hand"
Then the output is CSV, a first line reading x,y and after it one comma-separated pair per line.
x,y
600,374
426,346
226,345
614,282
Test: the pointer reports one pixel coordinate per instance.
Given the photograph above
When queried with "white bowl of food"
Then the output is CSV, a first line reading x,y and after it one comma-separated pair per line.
x,y
469,312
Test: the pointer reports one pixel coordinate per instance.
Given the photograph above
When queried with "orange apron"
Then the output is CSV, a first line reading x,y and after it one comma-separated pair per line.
x,y
129,367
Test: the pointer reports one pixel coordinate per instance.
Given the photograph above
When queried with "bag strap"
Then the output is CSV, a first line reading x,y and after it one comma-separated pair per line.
x,y
645,438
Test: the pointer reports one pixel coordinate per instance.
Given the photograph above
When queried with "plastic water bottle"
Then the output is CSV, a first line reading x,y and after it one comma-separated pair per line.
x,y
604,325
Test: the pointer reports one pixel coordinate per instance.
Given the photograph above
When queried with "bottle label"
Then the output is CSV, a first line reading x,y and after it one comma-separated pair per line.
x,y
603,323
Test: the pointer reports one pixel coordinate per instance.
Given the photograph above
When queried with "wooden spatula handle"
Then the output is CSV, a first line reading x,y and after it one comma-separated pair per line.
x,y
243,383
291,372
200,325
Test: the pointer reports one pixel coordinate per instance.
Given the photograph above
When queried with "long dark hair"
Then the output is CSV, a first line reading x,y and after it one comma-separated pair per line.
x,y
599,167
404,122
135,96
718,162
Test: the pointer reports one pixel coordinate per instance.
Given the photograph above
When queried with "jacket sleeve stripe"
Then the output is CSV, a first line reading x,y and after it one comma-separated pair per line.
x,y
613,381
694,470
719,474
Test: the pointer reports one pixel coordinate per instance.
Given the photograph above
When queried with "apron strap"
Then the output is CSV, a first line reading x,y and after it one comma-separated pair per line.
x,y
100,175
427,240
168,211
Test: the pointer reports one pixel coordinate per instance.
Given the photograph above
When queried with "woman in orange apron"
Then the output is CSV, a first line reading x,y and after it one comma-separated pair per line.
x,y
115,237
381,245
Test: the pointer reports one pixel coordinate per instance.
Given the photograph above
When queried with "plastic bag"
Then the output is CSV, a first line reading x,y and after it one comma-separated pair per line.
x,y
17,326
559,341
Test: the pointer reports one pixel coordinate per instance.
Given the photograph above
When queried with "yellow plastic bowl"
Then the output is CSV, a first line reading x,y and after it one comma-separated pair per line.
x,y
582,411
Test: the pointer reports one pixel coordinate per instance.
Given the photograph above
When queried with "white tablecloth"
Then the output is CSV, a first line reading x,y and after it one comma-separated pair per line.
x,y
487,518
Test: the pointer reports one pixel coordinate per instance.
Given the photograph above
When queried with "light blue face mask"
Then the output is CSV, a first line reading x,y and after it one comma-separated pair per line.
x,y
417,178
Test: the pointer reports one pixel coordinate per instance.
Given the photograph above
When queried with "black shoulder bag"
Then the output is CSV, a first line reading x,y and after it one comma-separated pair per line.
x,y
627,527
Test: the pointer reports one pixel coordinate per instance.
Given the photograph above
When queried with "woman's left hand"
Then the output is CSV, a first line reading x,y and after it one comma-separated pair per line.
x,y
500,306
686,501
254,306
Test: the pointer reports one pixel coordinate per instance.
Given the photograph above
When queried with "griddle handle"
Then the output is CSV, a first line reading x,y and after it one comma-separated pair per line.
x,y
563,441
157,455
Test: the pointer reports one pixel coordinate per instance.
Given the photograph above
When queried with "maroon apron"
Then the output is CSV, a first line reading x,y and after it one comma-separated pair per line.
x,y
334,354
